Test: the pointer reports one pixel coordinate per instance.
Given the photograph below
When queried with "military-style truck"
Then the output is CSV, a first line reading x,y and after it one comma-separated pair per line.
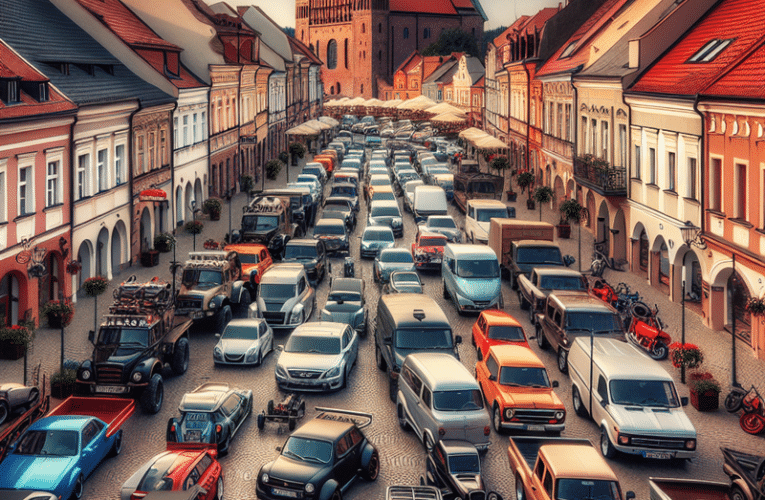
x,y
268,220
476,186
135,340
211,286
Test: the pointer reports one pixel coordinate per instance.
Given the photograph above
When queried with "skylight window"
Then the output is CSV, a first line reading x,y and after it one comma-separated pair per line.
x,y
568,50
710,50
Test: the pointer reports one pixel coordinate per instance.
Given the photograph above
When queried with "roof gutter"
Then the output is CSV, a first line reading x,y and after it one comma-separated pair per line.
x,y
130,175
702,163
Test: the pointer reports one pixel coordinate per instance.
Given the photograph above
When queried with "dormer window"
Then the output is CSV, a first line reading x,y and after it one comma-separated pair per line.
x,y
9,90
568,50
710,50
42,89
37,90
172,64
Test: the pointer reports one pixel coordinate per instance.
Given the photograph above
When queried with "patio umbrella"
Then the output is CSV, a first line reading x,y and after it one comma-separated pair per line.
x,y
448,117
329,121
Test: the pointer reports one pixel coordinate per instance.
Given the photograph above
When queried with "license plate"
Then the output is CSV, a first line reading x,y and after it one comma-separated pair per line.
x,y
193,435
435,261
284,493
111,389
663,455
535,428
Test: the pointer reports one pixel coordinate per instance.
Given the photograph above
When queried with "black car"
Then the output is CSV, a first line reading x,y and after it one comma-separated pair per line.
x,y
454,467
311,254
344,205
321,459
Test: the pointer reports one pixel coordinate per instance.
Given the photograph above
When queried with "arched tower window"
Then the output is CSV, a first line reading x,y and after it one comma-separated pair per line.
x,y
332,54
345,55
363,27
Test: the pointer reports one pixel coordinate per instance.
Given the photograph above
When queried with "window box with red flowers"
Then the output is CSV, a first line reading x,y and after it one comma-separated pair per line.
x,y
59,313
14,341
95,286
705,391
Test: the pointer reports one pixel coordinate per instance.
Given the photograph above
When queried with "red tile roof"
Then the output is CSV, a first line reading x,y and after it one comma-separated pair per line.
x,y
463,4
583,38
539,19
739,20
429,6
744,79
502,38
126,25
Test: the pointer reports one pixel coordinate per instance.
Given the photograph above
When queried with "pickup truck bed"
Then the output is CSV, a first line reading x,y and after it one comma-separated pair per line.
x,y
528,447
113,411
687,489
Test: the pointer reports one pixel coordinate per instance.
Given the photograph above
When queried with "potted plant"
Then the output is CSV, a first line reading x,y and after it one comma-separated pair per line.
x,y
164,242
284,157
59,313
95,286
212,207
755,306
297,150
246,183
63,382
501,164
273,167
193,227
705,391
211,244
14,341
542,195
570,210
688,355
525,180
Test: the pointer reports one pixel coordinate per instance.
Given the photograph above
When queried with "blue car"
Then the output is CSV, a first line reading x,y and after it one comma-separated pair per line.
x,y
57,453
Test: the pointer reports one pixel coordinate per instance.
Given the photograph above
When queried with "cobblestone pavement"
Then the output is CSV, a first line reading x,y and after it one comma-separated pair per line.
x,y
403,458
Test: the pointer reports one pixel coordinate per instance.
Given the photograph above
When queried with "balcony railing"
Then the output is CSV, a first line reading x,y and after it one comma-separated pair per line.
x,y
611,181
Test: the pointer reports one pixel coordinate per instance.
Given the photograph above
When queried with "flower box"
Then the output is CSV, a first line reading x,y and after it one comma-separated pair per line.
x,y
150,258
708,401
11,351
564,231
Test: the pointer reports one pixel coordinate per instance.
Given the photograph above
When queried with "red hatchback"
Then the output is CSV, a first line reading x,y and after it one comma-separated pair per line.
x,y
177,470
495,327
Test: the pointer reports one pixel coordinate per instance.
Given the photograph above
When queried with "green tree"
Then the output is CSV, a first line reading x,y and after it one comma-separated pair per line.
x,y
452,40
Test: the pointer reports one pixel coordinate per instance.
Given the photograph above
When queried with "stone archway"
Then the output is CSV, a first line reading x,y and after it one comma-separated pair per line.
x,y
187,200
560,193
85,256
52,283
692,277
640,251
659,266
603,225
198,193
590,205
730,291
570,188
103,264
119,247
146,238
179,211
619,232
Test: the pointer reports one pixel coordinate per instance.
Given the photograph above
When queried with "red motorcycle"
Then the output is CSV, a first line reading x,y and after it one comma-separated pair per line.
x,y
604,292
753,418
646,330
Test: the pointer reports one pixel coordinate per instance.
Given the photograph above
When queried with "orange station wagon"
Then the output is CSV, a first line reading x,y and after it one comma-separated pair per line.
x,y
326,160
515,384
495,327
253,256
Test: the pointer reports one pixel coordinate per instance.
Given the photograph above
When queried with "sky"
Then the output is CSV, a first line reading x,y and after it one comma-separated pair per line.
x,y
499,12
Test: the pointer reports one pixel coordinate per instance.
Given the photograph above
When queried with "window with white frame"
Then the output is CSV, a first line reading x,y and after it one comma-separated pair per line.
x,y
140,156
102,159
693,178
594,136
152,150
81,178
26,193
605,140
52,183
119,164
671,170
568,122
3,190
203,123
652,165
638,162
176,133
583,142
559,120
163,159
194,129
622,145
185,130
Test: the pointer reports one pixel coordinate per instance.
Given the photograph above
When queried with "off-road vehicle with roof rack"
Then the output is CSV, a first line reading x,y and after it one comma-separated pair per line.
x,y
268,220
136,339
211,285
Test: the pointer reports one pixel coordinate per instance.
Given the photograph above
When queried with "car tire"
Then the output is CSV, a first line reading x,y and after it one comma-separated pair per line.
x,y
291,423
736,493
180,360
532,316
372,470
562,359
576,399
79,488
541,340
446,292
520,494
496,419
381,363
261,421
117,445
153,395
402,422
244,303
4,411
522,300
606,448
222,318
392,389
219,489
337,495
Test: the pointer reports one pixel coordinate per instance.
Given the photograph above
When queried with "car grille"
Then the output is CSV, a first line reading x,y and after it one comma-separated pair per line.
x,y
528,415
482,304
407,493
188,303
109,375
304,374
276,318
234,357
658,442
281,483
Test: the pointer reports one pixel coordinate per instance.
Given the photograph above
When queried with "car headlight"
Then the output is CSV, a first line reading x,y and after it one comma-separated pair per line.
x,y
396,222
295,314
85,374
264,478
332,372
559,415
137,376
280,371
251,355
509,412
212,304
218,353
309,488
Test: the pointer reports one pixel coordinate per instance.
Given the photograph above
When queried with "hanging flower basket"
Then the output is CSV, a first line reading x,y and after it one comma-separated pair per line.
x,y
73,267
755,306
193,227
59,313
95,286
14,341
211,244
213,207
164,242
688,355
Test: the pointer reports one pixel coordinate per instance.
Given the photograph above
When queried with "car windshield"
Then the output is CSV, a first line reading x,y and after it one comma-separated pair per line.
x,y
384,196
506,332
483,187
47,442
404,257
249,332
644,393
405,278
249,258
277,291
259,222
375,235
343,204
309,179
486,214
332,229
343,191
577,489
380,182
109,335
385,212
194,420
539,255
464,464
300,252
308,450
466,400
424,338
471,268
446,184
313,344
442,223
334,214
156,478
202,278
524,376
344,296
595,321
563,283
432,242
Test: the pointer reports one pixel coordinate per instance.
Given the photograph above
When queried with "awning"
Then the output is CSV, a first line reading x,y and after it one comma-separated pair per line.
x,y
303,130
329,121
490,142
420,102
448,117
445,107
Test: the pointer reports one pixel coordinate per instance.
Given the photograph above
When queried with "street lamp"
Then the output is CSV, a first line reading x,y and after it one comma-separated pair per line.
x,y
691,237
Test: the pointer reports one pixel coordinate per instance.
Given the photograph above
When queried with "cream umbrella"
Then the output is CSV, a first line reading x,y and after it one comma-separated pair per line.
x,y
420,102
445,107
490,142
448,117
472,133
317,125
329,121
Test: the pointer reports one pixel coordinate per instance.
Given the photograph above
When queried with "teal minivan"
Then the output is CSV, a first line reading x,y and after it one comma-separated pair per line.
x,y
471,277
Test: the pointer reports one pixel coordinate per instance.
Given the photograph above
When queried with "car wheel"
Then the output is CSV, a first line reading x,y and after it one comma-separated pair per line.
x,y
541,340
222,318
180,359
79,487
497,418
606,447
428,442
153,395
291,423
562,360
392,389
381,363
446,292
219,489
372,470
532,316
519,493
576,398
261,421
244,303
402,422
522,300
736,493
117,445
4,411
337,495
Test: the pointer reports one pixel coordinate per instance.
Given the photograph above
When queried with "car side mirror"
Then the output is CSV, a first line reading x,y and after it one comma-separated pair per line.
x,y
684,401
603,403
630,495
458,339
91,336
279,448
555,384
568,260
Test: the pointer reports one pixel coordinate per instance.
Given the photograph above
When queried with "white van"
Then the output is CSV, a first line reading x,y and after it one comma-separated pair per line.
x,y
634,403
478,218
427,201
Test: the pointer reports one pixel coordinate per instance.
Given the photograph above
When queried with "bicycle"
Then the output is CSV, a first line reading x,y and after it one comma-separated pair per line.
x,y
601,261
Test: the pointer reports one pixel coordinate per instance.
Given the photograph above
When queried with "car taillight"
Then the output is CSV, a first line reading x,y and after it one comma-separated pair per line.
x,y
218,428
172,428
137,495
486,430
441,431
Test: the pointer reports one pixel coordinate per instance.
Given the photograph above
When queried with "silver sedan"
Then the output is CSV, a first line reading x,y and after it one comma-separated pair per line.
x,y
244,342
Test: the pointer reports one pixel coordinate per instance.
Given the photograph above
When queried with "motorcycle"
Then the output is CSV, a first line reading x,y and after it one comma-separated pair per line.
x,y
753,418
646,330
